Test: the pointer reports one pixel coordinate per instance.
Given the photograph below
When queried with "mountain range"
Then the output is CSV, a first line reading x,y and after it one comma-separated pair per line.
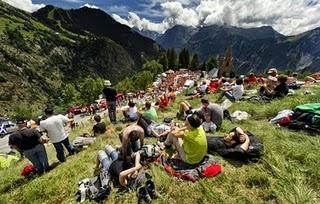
x,y
254,49
42,52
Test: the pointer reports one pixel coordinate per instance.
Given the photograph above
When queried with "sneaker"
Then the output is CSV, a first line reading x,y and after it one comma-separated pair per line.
x,y
151,190
143,196
161,145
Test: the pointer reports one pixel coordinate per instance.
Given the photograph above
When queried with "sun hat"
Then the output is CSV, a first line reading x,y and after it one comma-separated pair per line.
x,y
272,70
107,83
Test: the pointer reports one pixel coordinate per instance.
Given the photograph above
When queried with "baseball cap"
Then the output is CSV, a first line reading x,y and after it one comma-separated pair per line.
x,y
272,70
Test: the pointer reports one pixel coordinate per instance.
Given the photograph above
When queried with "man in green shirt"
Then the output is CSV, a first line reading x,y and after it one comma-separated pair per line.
x,y
190,141
150,112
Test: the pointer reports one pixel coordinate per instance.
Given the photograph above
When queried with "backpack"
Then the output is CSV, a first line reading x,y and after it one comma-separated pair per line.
x,y
207,168
168,120
96,188
150,152
28,171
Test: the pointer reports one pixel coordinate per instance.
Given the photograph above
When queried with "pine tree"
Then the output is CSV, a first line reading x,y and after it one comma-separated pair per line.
x,y
194,62
212,63
172,59
204,66
184,58
187,58
163,60
181,58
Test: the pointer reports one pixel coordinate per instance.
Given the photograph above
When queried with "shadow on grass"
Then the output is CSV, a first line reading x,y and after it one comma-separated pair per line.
x,y
10,186
235,163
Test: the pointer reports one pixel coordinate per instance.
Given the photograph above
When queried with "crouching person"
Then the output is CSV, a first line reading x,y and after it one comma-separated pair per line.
x,y
190,141
29,143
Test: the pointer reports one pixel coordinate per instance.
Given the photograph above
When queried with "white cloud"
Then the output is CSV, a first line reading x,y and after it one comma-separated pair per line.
x,y
26,5
286,16
119,10
121,20
142,24
90,6
177,15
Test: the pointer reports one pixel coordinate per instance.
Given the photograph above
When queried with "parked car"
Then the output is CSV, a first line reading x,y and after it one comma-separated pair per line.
x,y
188,84
7,127
76,110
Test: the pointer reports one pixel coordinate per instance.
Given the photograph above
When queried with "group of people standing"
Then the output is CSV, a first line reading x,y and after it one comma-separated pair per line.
x,y
30,142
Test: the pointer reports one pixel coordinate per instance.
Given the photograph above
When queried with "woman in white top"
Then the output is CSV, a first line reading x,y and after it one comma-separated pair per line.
x,y
131,112
234,93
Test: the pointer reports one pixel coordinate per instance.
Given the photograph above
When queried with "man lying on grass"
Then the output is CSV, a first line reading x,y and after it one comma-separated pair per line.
x,y
237,144
190,141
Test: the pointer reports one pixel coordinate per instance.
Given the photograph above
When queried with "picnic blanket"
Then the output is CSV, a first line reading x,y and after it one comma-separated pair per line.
x,y
177,168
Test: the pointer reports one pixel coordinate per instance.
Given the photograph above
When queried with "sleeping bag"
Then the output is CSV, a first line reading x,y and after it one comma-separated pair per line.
x,y
306,117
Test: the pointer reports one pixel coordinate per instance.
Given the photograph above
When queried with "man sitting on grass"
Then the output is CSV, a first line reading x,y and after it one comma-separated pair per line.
x,y
132,140
190,141
214,110
130,112
200,91
121,171
127,174
280,90
233,93
185,109
100,127
150,112
208,125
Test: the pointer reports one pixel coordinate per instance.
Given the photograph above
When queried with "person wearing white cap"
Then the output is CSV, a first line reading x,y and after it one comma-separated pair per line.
x,y
273,74
111,96
272,82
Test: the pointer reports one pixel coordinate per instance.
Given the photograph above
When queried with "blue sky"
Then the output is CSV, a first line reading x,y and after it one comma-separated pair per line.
x,y
143,8
289,17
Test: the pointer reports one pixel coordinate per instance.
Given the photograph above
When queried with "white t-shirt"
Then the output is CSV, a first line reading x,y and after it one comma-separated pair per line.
x,y
203,88
160,128
237,91
133,112
54,126
209,126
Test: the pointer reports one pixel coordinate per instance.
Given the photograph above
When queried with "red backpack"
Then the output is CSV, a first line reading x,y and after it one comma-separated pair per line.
x,y
28,171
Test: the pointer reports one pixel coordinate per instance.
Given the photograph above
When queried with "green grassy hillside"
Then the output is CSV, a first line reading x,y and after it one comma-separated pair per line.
x,y
289,172
38,61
